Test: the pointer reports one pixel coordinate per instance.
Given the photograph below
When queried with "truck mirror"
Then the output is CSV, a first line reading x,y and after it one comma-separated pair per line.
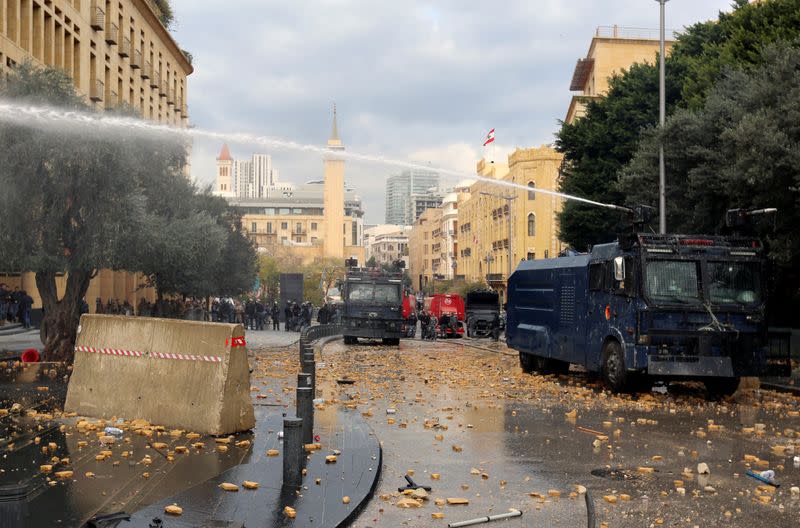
x,y
619,268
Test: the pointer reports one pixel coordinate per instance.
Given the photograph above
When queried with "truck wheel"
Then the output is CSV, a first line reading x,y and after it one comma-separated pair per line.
x,y
391,341
350,340
721,386
615,374
526,362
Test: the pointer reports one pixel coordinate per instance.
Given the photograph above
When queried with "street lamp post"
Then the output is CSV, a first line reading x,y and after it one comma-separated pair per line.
x,y
662,109
508,199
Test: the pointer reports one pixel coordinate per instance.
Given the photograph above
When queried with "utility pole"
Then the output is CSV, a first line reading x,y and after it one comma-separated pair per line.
x,y
662,109
510,201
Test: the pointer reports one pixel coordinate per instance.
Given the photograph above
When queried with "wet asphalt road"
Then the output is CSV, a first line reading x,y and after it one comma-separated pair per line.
x,y
504,439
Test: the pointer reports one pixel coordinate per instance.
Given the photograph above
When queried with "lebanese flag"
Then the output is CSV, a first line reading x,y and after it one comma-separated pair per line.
x,y
489,137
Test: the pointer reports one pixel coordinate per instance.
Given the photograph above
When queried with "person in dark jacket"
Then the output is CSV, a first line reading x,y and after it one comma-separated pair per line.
x,y
25,305
496,327
275,313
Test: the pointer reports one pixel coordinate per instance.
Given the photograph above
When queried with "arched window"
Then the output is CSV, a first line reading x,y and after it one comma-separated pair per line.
x,y
531,224
531,194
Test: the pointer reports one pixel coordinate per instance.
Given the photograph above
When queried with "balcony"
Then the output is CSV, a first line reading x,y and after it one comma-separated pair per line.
x,y
97,90
112,100
97,17
496,278
147,70
178,107
155,78
136,60
112,33
125,48
163,88
171,97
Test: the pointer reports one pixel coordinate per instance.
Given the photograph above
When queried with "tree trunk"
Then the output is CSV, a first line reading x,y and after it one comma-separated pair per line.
x,y
61,316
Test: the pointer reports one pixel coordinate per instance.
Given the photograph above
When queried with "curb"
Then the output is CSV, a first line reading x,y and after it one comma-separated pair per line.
x,y
318,346
780,388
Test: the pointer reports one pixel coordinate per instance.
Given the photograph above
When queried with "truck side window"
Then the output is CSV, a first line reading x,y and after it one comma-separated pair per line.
x,y
596,274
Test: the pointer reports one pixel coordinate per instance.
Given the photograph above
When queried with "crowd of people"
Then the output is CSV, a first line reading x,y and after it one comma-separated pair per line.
x,y
15,306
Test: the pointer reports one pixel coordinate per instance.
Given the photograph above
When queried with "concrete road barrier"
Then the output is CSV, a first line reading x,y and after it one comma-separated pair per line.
x,y
183,374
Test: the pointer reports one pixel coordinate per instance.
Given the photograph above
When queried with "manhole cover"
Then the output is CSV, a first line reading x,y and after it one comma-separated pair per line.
x,y
614,474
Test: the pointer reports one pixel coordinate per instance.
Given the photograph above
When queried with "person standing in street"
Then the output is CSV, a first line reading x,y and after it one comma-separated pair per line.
x,y
275,312
496,327
25,305
4,300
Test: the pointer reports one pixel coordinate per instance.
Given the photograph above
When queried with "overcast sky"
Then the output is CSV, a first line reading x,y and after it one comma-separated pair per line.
x,y
412,80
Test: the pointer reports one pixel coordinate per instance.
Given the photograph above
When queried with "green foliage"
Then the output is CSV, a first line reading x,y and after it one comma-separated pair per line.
x,y
741,149
76,199
598,146
164,12
372,263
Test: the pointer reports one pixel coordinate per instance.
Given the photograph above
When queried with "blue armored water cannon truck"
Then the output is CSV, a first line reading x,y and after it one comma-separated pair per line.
x,y
670,307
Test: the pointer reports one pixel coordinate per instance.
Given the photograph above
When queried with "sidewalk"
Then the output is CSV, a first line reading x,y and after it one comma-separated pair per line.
x,y
270,338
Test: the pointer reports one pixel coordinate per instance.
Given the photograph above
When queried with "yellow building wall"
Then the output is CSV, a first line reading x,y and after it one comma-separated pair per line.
x,y
421,243
483,221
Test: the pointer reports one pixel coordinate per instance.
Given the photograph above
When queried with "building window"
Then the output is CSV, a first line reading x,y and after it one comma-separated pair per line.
x,y
269,228
531,255
298,228
284,225
255,228
531,194
313,226
298,239
531,224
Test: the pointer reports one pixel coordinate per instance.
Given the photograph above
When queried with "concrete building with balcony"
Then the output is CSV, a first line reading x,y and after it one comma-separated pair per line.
x,y
387,243
425,244
114,52
498,226
612,50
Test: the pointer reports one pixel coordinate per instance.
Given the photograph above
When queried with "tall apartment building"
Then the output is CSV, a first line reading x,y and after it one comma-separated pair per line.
x,y
612,50
409,193
424,242
251,178
115,52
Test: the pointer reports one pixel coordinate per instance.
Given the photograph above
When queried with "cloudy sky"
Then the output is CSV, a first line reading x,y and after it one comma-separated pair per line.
x,y
418,81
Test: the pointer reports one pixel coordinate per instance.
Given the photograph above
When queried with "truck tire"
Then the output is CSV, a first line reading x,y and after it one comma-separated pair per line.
x,y
526,362
391,341
721,386
350,340
615,374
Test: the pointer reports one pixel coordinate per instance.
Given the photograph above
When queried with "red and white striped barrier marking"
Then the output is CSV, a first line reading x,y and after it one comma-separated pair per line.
x,y
109,351
188,357
157,355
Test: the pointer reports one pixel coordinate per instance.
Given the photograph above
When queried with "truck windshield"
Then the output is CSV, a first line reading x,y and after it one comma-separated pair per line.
x,y
734,282
673,281
381,293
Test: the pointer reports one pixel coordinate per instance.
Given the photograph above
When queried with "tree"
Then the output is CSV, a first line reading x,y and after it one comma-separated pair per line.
x,y
740,150
53,221
372,263
598,146
78,198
